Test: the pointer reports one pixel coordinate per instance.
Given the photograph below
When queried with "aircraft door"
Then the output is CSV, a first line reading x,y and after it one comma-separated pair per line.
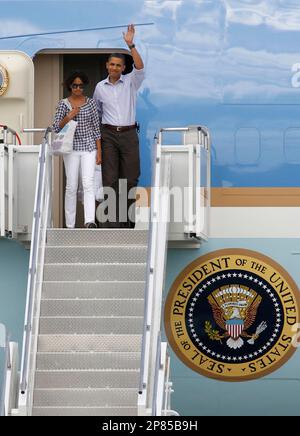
x,y
17,92
18,160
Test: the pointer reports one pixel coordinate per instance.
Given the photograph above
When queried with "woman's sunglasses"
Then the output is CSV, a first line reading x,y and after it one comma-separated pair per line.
x,y
75,86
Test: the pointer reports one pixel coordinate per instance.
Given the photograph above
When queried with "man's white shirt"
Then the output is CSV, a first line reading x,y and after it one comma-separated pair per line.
x,y
116,103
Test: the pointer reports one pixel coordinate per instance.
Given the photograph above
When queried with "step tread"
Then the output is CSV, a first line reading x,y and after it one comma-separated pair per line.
x,y
92,299
122,390
94,247
93,290
92,307
77,361
86,325
85,411
89,342
87,379
101,370
85,396
92,317
95,237
65,272
96,264
95,254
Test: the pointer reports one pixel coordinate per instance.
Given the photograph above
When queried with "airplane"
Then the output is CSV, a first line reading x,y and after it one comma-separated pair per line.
x,y
218,115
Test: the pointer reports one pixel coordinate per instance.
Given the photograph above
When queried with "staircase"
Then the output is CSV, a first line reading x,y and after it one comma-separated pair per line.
x,y
92,336
91,323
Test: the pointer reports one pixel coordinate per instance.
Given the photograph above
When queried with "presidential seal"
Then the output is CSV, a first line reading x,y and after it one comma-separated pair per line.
x,y
3,80
231,315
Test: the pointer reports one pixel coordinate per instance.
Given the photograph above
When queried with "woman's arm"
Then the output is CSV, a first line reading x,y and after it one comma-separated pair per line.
x,y
69,117
99,152
96,130
62,117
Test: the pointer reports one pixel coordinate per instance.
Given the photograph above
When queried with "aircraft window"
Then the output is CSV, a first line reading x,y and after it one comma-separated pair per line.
x,y
292,145
247,146
289,3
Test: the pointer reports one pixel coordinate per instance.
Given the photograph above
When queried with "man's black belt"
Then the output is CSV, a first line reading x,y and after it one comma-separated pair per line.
x,y
119,128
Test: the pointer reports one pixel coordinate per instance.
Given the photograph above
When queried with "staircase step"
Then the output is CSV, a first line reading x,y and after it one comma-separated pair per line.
x,y
72,308
92,290
86,379
88,361
85,411
89,343
91,325
94,272
86,237
101,397
102,254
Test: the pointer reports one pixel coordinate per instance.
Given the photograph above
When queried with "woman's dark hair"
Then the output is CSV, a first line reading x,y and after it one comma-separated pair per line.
x,y
82,76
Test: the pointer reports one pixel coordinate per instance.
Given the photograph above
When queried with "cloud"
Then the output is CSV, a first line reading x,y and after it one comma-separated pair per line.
x,y
198,26
279,14
261,75
173,68
160,8
17,27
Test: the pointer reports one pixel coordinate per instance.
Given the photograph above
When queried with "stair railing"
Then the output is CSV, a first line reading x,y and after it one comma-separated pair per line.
x,y
41,221
162,387
154,387
157,248
5,358
9,137
10,379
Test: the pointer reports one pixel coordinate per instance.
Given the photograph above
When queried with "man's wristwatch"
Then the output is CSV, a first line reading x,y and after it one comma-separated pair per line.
x,y
131,46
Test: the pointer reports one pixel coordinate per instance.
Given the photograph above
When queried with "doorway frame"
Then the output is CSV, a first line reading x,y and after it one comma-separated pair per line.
x,y
57,71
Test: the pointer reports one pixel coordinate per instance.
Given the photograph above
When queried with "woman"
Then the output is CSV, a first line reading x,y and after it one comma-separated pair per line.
x,y
86,148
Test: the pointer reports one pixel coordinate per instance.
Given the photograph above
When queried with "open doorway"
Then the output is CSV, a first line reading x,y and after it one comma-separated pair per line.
x,y
93,65
52,67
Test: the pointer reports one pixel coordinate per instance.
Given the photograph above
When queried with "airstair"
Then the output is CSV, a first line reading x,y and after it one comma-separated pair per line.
x,y
92,339
91,323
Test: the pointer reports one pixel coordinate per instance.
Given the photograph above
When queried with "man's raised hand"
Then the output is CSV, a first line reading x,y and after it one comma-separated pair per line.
x,y
129,35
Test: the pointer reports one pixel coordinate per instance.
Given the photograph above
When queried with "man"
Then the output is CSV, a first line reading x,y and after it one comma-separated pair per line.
x,y
116,101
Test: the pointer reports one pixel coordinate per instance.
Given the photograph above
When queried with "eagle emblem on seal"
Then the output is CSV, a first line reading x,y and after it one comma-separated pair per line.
x,y
234,310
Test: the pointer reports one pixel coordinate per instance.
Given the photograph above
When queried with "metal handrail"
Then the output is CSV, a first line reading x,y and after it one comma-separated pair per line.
x,y
206,132
6,182
6,131
201,129
7,365
157,369
146,327
33,259
149,340
204,139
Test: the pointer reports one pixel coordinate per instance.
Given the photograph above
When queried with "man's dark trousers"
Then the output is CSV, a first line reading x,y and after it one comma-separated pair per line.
x,y
120,160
